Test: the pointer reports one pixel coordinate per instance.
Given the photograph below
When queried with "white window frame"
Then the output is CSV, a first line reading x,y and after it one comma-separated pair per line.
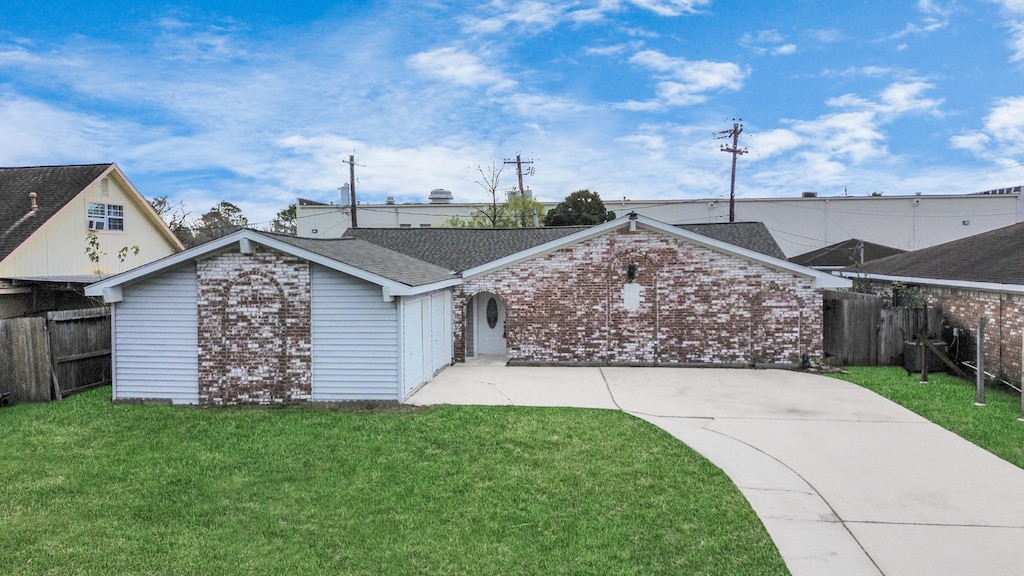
x,y
105,217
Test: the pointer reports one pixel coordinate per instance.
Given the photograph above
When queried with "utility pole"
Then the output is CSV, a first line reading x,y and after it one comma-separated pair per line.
x,y
519,170
735,150
352,186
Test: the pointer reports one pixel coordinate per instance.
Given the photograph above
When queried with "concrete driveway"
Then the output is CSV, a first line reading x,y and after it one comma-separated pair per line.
x,y
845,481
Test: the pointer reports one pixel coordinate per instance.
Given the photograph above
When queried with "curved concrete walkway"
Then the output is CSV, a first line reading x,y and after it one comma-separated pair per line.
x,y
845,481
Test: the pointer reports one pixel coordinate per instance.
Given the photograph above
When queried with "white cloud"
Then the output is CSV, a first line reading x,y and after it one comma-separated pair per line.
x,y
975,142
39,133
767,42
935,17
460,67
531,15
613,50
770,143
826,36
534,16
685,81
671,7
1012,6
899,98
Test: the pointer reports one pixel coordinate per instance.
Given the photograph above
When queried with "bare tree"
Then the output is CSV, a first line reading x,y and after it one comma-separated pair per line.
x,y
489,179
176,217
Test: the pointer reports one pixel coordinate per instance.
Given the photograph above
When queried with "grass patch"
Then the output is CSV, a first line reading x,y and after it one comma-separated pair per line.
x,y
949,402
87,487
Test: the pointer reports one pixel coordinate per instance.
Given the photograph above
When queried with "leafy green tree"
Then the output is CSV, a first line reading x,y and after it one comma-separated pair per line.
x,y
582,207
284,222
224,218
517,212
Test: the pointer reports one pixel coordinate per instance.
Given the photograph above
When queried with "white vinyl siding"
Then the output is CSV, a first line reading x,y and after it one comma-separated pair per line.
x,y
415,343
355,339
156,346
440,330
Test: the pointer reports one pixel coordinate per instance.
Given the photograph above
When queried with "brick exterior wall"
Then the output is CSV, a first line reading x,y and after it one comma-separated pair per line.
x,y
1004,315
254,329
687,305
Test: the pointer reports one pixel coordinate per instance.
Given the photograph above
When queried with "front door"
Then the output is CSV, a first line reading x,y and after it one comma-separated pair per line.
x,y
489,328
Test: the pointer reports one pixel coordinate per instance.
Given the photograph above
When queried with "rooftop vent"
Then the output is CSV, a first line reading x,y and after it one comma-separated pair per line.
x,y
440,196
32,199
809,195
390,201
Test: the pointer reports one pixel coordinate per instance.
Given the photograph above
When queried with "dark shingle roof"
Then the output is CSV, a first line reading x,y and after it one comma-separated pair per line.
x,y
464,248
372,258
54,186
993,256
845,253
460,248
750,235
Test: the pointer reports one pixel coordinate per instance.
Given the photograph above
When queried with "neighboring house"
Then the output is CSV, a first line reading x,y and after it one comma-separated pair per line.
x,y
47,214
852,252
798,224
979,276
262,318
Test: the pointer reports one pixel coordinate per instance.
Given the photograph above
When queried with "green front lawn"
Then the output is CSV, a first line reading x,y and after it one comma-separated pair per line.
x,y
949,402
87,487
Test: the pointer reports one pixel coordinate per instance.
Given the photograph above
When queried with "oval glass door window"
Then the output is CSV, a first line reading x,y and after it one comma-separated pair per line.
x,y
492,313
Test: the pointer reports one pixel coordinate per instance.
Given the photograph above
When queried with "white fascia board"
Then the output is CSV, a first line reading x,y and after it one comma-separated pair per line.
x,y
143,205
245,236
820,279
546,247
938,282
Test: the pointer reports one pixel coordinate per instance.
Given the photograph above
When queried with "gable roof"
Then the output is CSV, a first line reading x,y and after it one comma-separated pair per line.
x,y
372,258
397,274
845,253
750,235
464,248
991,258
819,279
460,248
54,186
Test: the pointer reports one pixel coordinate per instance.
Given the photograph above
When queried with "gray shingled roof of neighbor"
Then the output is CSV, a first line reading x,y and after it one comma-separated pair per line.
x,y
750,235
845,253
994,256
371,258
464,248
54,186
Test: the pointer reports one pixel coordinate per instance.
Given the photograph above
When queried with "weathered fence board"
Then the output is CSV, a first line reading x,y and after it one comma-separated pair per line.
x,y
850,328
859,331
47,358
80,348
23,368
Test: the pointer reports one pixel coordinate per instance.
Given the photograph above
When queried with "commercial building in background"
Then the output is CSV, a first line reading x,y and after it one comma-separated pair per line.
x,y
799,224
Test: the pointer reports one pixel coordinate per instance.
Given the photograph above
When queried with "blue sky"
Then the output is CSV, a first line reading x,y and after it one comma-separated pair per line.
x,y
260,102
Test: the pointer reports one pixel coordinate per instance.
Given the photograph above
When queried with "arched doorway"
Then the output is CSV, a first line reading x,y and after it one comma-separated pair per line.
x,y
488,325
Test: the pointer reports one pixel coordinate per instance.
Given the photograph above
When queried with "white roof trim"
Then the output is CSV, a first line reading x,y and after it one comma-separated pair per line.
x,y
966,284
157,266
820,279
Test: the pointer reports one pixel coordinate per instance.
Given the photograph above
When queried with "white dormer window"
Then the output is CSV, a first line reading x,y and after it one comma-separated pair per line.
x,y
102,216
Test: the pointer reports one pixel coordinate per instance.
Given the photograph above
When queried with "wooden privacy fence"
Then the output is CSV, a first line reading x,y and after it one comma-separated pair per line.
x,y
47,358
859,331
